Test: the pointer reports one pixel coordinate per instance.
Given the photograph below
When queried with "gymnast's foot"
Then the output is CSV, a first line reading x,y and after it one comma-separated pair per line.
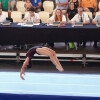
x,y
60,68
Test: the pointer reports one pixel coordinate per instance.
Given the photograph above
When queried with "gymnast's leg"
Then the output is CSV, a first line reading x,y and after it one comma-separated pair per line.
x,y
44,51
54,54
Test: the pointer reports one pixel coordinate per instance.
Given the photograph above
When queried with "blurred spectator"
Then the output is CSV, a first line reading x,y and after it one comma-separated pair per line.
x,y
21,0
97,1
90,5
32,16
14,5
96,20
2,16
81,17
62,4
6,6
28,5
3,19
71,12
77,3
37,4
57,17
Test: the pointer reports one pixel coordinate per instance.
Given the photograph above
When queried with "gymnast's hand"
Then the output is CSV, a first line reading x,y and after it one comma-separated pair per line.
x,y
22,73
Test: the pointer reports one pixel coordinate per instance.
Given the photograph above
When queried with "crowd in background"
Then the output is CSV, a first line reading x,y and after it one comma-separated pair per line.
x,y
69,11
88,5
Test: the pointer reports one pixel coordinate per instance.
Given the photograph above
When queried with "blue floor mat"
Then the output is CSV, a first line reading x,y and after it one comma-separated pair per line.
x,y
51,84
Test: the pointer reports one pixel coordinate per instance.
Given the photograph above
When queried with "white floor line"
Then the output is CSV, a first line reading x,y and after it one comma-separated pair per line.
x,y
89,85
52,75
73,76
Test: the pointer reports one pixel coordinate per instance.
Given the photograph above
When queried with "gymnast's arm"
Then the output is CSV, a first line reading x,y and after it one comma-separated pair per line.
x,y
23,68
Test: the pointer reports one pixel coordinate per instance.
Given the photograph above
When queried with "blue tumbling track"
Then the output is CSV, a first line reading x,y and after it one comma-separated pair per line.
x,y
49,86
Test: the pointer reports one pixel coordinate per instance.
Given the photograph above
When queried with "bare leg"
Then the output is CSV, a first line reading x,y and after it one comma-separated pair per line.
x,y
50,50
54,54
44,51
55,57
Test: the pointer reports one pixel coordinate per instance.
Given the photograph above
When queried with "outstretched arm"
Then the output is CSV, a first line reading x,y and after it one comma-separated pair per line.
x,y
22,73
23,68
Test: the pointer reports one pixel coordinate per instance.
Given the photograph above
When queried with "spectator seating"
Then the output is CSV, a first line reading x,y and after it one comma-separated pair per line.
x,y
44,16
16,16
48,6
99,6
90,14
20,6
6,13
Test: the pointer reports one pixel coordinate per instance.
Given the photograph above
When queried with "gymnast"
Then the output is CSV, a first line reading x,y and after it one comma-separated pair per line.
x,y
41,51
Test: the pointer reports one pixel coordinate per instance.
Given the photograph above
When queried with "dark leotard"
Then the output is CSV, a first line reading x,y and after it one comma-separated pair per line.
x,y
32,51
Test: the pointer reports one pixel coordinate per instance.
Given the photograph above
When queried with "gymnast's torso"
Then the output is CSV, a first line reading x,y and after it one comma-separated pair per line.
x,y
32,51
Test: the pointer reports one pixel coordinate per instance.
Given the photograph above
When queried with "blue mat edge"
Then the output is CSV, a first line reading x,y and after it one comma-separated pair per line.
x,y
7,96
